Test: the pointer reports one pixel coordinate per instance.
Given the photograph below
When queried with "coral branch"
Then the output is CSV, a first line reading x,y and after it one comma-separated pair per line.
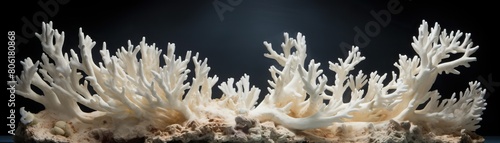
x,y
243,98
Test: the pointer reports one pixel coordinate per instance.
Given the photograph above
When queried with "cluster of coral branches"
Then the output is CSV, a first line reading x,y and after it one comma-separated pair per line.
x,y
132,85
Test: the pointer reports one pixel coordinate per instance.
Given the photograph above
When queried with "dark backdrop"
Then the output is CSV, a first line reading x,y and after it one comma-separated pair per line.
x,y
230,34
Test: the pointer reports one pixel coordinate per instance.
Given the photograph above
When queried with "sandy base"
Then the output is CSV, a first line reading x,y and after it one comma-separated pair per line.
x,y
245,130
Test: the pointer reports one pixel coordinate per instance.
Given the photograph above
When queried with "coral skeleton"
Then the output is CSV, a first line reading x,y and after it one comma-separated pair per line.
x,y
135,98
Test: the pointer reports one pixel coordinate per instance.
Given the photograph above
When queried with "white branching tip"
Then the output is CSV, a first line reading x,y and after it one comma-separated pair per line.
x,y
26,117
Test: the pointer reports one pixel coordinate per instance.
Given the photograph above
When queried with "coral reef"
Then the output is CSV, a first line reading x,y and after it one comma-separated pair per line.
x,y
135,99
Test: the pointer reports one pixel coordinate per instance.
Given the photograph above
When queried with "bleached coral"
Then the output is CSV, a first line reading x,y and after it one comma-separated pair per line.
x,y
296,95
130,89
26,117
126,87
418,74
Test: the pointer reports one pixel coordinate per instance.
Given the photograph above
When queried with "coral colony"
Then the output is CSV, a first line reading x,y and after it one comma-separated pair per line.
x,y
141,100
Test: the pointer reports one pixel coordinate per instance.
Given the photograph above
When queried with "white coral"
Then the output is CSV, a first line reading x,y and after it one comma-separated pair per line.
x,y
26,116
432,47
127,87
243,98
296,95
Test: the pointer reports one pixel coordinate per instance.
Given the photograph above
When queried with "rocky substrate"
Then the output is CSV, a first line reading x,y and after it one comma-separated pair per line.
x,y
241,130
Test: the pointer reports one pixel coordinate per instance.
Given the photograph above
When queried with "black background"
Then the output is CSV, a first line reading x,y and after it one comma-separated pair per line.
x,y
234,46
